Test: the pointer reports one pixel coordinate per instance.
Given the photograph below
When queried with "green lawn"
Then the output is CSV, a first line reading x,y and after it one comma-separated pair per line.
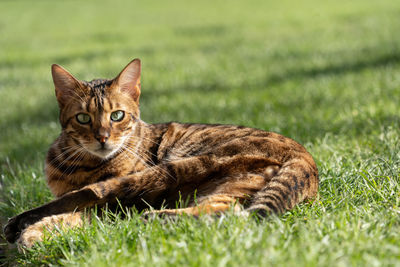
x,y
326,73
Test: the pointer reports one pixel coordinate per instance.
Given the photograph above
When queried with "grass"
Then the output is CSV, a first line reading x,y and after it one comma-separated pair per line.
x,y
324,73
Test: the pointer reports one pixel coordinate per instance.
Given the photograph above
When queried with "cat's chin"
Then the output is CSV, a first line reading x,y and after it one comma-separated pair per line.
x,y
103,153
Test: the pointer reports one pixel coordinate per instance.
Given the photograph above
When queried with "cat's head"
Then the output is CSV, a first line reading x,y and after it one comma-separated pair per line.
x,y
98,116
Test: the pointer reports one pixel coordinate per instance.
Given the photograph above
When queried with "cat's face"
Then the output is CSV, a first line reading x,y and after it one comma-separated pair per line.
x,y
100,115
101,121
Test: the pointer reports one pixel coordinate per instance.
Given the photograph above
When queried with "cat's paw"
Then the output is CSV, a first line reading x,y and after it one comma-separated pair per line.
x,y
17,224
30,235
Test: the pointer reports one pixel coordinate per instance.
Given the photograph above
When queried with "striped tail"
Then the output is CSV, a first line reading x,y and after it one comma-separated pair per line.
x,y
296,181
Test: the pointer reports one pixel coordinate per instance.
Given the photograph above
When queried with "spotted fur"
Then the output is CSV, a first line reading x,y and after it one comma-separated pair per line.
x,y
213,167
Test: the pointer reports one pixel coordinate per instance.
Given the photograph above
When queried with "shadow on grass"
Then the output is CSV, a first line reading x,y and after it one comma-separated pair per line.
x,y
72,56
20,132
301,74
339,69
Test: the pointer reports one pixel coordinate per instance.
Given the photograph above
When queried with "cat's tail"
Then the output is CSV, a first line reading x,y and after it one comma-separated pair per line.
x,y
296,181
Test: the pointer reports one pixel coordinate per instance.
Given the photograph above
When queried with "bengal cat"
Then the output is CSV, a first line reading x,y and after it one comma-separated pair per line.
x,y
106,154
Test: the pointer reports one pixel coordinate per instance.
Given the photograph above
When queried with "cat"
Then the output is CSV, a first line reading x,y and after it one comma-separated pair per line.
x,y
106,154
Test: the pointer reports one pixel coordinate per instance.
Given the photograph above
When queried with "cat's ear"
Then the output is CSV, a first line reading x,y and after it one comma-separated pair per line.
x,y
129,79
65,84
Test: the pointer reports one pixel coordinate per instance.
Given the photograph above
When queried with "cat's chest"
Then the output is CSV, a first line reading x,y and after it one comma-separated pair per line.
x,y
117,167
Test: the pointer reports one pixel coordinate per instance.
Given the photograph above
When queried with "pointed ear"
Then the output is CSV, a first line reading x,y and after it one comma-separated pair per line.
x,y
65,84
129,79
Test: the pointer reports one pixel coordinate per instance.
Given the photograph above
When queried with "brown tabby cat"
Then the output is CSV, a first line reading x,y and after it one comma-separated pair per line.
x,y
106,153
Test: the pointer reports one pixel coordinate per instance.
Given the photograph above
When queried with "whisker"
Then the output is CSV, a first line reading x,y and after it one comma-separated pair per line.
x,y
63,162
154,167
77,159
68,149
78,152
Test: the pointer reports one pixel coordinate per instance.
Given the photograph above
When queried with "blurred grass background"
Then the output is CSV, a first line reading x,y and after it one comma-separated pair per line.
x,y
325,73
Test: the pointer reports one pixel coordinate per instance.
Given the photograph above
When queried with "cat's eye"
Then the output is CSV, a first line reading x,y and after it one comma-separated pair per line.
x,y
117,115
83,118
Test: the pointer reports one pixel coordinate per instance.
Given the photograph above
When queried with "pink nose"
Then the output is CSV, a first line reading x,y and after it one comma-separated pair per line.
x,y
102,136
102,139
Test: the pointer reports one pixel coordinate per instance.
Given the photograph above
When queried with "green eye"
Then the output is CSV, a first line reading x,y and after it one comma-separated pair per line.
x,y
83,118
117,115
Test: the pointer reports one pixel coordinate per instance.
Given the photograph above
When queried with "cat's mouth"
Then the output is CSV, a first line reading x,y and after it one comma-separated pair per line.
x,y
105,151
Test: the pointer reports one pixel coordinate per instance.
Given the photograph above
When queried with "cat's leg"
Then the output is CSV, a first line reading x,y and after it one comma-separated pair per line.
x,y
285,186
297,180
35,232
227,193
148,185
211,205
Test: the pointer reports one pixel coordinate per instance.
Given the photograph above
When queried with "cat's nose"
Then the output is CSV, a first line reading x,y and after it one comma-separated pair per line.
x,y
102,138
102,135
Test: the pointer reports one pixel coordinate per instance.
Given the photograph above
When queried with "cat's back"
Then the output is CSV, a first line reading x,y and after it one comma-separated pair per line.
x,y
189,139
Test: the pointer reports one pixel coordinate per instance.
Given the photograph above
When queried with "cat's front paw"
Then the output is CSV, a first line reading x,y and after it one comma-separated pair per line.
x,y
15,225
30,235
